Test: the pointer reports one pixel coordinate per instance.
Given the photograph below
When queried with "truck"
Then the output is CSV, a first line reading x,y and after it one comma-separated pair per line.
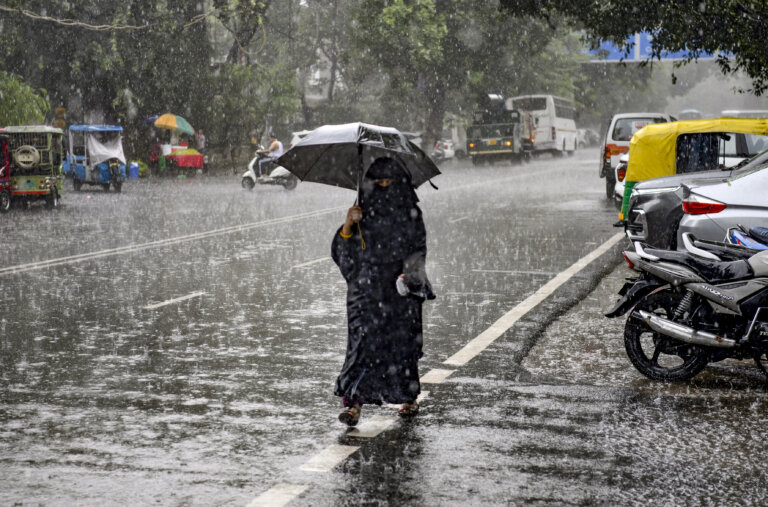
x,y
499,133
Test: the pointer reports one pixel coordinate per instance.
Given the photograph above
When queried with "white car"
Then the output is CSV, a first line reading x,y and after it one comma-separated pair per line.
x,y
616,142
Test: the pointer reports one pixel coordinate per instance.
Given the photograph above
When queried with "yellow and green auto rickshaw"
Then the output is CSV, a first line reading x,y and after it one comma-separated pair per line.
x,y
664,149
37,153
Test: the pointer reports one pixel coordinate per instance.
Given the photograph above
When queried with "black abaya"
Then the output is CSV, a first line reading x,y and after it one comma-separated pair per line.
x,y
384,340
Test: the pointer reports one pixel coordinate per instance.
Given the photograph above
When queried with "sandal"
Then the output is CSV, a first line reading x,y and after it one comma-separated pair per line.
x,y
350,415
408,409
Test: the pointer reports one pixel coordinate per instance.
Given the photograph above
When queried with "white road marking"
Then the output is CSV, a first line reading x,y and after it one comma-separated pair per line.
x,y
372,427
328,458
499,327
435,376
72,259
465,217
21,268
278,495
514,272
321,259
175,300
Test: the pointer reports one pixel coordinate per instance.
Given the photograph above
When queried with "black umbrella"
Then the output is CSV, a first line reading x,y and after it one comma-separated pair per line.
x,y
339,155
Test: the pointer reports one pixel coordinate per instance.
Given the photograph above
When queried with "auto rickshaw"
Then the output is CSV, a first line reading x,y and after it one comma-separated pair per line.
x,y
5,173
37,154
664,149
95,156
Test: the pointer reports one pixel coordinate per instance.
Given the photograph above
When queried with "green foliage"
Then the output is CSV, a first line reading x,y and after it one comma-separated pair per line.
x,y
20,104
246,96
698,26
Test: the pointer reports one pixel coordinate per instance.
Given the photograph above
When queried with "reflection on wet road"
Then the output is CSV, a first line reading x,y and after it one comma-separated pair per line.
x,y
191,359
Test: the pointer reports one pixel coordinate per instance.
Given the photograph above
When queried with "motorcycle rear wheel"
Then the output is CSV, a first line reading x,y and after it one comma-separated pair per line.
x,y
657,356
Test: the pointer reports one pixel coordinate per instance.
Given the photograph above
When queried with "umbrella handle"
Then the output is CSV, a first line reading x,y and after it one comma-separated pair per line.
x,y
362,241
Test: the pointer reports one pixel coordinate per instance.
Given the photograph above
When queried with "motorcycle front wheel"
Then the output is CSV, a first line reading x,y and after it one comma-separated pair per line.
x,y
657,356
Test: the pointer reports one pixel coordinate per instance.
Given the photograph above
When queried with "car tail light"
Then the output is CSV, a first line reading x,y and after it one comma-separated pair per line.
x,y
696,205
629,262
615,149
621,172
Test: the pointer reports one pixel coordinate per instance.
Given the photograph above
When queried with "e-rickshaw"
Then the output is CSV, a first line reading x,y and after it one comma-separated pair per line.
x,y
664,149
36,153
5,173
95,156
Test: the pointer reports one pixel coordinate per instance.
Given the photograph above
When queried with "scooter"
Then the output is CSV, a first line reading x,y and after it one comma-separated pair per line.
x,y
277,176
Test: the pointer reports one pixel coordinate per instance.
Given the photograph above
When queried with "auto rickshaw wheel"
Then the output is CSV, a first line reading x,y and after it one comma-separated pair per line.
x,y
77,184
105,186
5,201
118,186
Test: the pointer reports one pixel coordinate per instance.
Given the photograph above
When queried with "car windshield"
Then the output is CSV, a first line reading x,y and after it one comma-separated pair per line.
x,y
625,128
760,156
746,172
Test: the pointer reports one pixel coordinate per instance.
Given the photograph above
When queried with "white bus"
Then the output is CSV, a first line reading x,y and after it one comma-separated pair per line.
x,y
554,118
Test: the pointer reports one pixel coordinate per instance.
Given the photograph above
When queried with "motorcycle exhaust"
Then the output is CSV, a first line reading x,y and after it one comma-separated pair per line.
x,y
683,333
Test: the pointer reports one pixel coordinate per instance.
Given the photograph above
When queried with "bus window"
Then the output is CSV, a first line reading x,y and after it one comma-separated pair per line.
x,y
530,103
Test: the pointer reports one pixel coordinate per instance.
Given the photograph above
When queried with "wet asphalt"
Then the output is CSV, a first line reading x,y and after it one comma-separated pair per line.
x,y
192,360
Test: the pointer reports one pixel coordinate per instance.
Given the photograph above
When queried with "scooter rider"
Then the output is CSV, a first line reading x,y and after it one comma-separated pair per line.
x,y
274,152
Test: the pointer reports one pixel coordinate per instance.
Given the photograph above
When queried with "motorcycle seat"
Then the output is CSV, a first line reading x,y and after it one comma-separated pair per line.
x,y
759,233
712,271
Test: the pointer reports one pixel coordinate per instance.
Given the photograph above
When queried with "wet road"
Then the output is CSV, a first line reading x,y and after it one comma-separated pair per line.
x,y
177,344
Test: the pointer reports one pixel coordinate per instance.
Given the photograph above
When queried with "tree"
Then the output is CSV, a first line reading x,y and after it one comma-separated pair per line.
x,y
20,104
441,55
737,29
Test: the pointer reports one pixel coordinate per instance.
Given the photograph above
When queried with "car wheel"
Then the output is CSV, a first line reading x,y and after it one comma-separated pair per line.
x,y
609,187
5,201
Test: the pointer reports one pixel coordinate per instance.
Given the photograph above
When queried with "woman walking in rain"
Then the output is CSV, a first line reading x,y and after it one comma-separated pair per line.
x,y
381,251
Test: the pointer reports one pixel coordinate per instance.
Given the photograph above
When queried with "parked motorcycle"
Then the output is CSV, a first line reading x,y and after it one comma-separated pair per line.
x,y
689,308
278,175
